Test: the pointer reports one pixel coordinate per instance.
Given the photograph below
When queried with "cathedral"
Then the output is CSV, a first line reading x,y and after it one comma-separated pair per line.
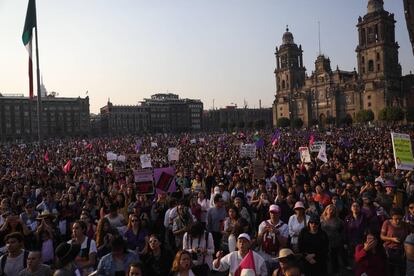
x,y
330,95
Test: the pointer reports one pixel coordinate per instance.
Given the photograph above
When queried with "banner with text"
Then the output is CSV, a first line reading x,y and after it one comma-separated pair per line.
x,y
403,153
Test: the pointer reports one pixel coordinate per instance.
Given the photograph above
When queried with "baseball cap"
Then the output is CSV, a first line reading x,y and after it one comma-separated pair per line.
x,y
274,208
244,236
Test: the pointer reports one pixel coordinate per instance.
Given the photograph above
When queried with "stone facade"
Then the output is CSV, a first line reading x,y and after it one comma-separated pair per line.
x,y
337,94
232,116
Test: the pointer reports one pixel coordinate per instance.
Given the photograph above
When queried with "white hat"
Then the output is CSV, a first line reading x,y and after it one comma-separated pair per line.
x,y
285,252
217,190
244,235
274,208
247,272
299,204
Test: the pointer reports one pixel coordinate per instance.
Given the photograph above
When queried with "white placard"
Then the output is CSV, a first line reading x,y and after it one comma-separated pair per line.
x,y
145,161
248,150
110,156
121,158
173,154
317,146
304,154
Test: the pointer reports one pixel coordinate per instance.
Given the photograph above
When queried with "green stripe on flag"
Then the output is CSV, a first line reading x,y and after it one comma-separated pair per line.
x,y
30,22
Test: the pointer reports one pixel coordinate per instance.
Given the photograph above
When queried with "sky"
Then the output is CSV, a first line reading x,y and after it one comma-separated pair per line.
x,y
219,51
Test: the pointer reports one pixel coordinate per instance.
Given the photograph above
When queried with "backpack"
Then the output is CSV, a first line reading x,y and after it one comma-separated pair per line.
x,y
4,259
270,242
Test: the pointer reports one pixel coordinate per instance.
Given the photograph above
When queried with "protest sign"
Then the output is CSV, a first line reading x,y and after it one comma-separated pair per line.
x,y
110,156
403,153
317,146
121,158
322,154
248,150
304,154
145,161
144,180
173,154
258,169
165,179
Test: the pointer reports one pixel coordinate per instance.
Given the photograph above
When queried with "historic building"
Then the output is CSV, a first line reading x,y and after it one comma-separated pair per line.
x,y
336,94
61,117
231,117
122,119
160,113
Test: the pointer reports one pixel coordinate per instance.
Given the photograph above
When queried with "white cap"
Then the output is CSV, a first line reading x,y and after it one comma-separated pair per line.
x,y
245,236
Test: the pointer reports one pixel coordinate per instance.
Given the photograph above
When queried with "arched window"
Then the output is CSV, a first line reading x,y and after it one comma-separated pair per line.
x,y
370,65
283,84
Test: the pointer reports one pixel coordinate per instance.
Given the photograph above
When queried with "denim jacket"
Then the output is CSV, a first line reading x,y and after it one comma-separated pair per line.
x,y
106,265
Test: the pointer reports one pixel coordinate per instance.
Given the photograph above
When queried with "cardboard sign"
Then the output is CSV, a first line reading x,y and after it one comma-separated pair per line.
x,y
248,150
173,154
403,153
145,161
144,180
304,154
154,145
258,169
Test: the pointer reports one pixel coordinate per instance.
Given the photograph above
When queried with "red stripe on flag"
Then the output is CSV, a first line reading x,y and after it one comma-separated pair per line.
x,y
30,78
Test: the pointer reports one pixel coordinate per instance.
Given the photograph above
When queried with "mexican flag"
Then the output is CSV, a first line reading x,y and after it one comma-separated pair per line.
x,y
27,36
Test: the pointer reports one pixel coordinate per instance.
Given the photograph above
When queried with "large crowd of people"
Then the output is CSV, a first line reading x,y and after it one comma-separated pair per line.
x,y
66,209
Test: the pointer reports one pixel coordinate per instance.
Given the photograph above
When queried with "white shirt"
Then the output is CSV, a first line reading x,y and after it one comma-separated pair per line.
x,y
92,247
190,244
295,227
205,205
283,232
232,261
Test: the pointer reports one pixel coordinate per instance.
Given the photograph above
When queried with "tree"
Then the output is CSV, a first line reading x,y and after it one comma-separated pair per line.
x,y
395,114
409,115
330,120
297,123
283,122
259,124
347,120
391,114
364,116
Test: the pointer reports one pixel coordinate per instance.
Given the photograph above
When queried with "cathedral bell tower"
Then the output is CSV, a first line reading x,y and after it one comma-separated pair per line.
x,y
377,57
290,76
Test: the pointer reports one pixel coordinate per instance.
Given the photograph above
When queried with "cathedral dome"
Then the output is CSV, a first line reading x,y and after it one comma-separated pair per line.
x,y
375,5
287,37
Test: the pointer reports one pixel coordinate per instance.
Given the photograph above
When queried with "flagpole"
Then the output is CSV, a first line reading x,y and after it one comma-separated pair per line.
x,y
39,96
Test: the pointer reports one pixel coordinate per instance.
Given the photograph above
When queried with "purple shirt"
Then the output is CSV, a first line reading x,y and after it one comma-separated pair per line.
x,y
135,241
354,228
